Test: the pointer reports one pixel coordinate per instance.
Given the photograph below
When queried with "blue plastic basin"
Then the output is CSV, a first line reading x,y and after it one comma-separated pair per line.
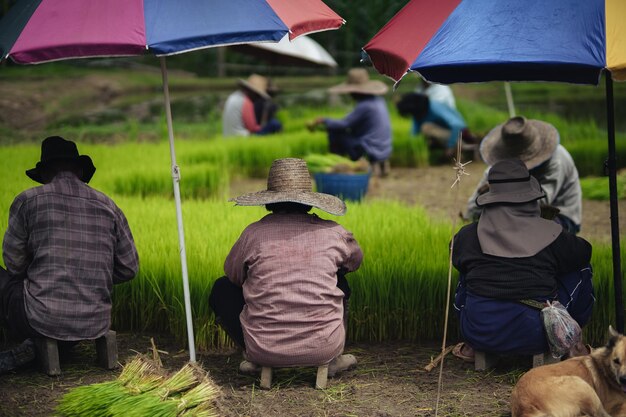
x,y
345,186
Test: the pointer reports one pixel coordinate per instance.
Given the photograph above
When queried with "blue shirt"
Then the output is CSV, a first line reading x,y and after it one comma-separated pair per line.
x,y
444,116
369,125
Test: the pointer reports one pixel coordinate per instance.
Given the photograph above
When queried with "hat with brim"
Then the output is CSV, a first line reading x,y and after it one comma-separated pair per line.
x,y
289,181
55,149
510,182
532,141
359,82
257,84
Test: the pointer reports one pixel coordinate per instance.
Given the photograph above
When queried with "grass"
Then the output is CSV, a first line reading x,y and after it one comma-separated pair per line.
x,y
399,292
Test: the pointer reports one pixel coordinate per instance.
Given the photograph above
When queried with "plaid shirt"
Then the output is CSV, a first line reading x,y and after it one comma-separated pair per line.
x,y
70,244
287,265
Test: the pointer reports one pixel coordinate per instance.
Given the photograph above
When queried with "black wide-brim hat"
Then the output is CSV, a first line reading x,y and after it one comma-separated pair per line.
x,y
56,149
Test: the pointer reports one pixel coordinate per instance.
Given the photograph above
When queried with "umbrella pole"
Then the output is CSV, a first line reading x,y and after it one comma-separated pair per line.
x,y
612,167
179,214
509,98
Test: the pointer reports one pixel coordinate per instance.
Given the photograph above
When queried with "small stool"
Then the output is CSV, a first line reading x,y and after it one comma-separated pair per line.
x,y
48,353
320,382
484,360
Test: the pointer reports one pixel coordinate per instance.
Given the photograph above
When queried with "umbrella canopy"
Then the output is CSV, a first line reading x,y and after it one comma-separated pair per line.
x,y
302,51
482,40
572,41
36,31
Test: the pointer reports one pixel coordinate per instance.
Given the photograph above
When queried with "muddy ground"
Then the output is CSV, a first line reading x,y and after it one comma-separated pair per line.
x,y
390,379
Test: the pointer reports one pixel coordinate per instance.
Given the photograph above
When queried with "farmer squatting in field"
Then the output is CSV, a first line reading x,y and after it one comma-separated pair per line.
x,y
536,143
366,130
65,247
284,298
512,258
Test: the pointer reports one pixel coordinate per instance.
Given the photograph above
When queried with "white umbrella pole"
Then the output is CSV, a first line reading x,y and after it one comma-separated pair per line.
x,y
179,213
509,99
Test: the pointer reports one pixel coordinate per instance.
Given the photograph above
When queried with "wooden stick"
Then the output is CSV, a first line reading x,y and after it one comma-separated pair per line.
x,y
433,362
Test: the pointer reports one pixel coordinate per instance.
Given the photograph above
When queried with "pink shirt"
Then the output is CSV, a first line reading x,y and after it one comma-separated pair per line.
x,y
287,265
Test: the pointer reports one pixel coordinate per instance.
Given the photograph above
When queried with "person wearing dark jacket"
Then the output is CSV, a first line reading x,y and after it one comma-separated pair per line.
x,y
510,256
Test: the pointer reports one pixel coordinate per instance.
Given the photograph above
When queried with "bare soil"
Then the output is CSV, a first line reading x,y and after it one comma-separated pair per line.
x,y
390,379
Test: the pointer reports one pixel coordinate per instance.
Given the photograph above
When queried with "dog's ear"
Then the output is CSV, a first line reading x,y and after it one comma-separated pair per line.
x,y
613,336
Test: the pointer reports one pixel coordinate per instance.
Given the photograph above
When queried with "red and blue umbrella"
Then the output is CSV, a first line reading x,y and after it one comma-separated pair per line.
x,y
450,41
37,31
573,41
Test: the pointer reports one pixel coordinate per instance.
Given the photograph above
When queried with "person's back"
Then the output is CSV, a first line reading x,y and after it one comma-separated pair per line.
x,y
513,260
284,296
72,241
537,144
366,130
65,247
294,310
372,127
232,120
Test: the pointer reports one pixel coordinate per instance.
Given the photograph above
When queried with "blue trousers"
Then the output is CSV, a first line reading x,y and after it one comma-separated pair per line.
x,y
505,326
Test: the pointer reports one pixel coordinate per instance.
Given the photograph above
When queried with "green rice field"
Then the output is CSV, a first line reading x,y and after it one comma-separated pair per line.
x,y
398,293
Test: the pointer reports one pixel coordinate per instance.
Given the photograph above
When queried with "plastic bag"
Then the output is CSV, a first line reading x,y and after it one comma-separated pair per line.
x,y
562,331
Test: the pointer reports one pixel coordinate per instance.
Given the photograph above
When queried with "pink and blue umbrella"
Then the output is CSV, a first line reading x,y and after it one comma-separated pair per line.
x,y
37,31
573,41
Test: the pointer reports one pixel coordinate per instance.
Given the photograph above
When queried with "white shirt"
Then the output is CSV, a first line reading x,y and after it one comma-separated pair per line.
x,y
232,117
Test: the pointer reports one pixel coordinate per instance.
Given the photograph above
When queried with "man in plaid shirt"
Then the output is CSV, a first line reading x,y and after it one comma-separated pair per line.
x,y
65,247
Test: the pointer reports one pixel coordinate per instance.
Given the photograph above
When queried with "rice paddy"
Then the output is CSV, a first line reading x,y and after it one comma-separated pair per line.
x,y
398,293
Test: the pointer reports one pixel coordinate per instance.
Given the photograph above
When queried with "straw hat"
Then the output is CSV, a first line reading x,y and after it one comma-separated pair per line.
x,y
289,181
359,82
257,84
55,149
510,182
532,141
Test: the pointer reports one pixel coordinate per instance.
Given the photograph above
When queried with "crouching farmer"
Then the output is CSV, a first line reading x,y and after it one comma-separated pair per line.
x,y
65,246
511,262
284,296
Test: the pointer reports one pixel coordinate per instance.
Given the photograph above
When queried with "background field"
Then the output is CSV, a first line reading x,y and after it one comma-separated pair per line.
x,y
116,116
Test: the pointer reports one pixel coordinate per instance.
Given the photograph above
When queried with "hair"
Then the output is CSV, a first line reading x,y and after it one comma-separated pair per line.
x,y
413,104
360,96
288,206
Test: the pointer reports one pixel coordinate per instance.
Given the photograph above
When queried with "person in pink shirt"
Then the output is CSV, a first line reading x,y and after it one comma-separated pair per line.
x,y
284,296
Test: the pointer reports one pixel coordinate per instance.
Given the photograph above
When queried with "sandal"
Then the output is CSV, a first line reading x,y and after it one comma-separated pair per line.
x,y
458,352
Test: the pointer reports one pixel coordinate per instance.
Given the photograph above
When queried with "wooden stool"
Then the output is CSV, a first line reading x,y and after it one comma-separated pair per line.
x,y
320,382
484,361
48,353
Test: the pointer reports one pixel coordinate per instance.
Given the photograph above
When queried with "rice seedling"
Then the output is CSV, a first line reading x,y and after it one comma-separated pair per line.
x,y
141,390
159,401
137,376
399,292
597,188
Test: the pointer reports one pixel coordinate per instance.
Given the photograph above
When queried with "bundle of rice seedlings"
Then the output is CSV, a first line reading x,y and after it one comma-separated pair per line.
x,y
198,402
157,402
137,376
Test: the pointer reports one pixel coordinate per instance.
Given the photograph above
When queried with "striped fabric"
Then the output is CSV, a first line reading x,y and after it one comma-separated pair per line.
x,y
287,265
70,244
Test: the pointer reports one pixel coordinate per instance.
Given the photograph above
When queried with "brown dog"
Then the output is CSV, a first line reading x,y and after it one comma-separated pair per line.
x,y
592,385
